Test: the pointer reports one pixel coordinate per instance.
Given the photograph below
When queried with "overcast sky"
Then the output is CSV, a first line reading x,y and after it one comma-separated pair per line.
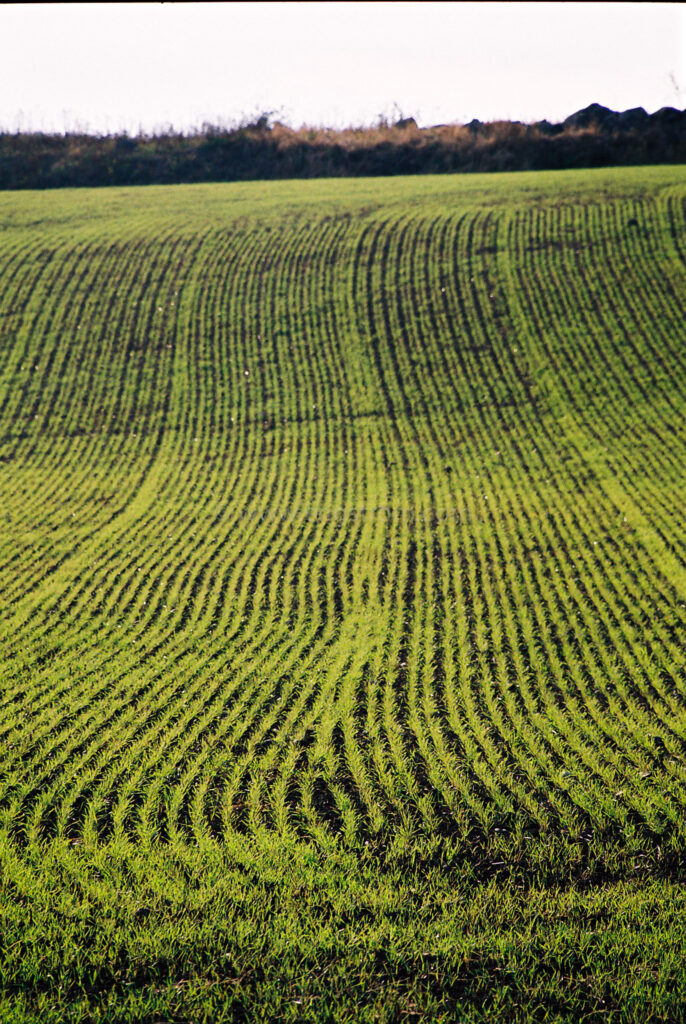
x,y
130,66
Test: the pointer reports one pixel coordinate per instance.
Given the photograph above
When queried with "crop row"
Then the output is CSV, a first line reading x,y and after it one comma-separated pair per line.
x,y
344,526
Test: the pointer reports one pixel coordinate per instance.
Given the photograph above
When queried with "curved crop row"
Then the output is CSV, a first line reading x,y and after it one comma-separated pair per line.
x,y
344,522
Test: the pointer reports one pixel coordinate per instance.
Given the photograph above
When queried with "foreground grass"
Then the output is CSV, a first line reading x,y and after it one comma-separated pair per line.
x,y
284,934
344,600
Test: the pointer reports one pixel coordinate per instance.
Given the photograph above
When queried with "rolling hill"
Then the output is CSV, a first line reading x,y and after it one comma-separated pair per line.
x,y
343,576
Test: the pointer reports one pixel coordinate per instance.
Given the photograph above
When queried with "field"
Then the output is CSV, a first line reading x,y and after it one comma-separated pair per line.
x,y
343,600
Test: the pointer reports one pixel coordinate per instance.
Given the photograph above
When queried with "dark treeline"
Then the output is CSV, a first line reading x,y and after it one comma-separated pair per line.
x,y
261,149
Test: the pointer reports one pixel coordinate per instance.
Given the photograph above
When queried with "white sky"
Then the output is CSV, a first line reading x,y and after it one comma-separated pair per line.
x,y
126,66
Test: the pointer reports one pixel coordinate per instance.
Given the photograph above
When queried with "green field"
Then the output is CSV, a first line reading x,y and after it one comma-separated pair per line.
x,y
343,600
